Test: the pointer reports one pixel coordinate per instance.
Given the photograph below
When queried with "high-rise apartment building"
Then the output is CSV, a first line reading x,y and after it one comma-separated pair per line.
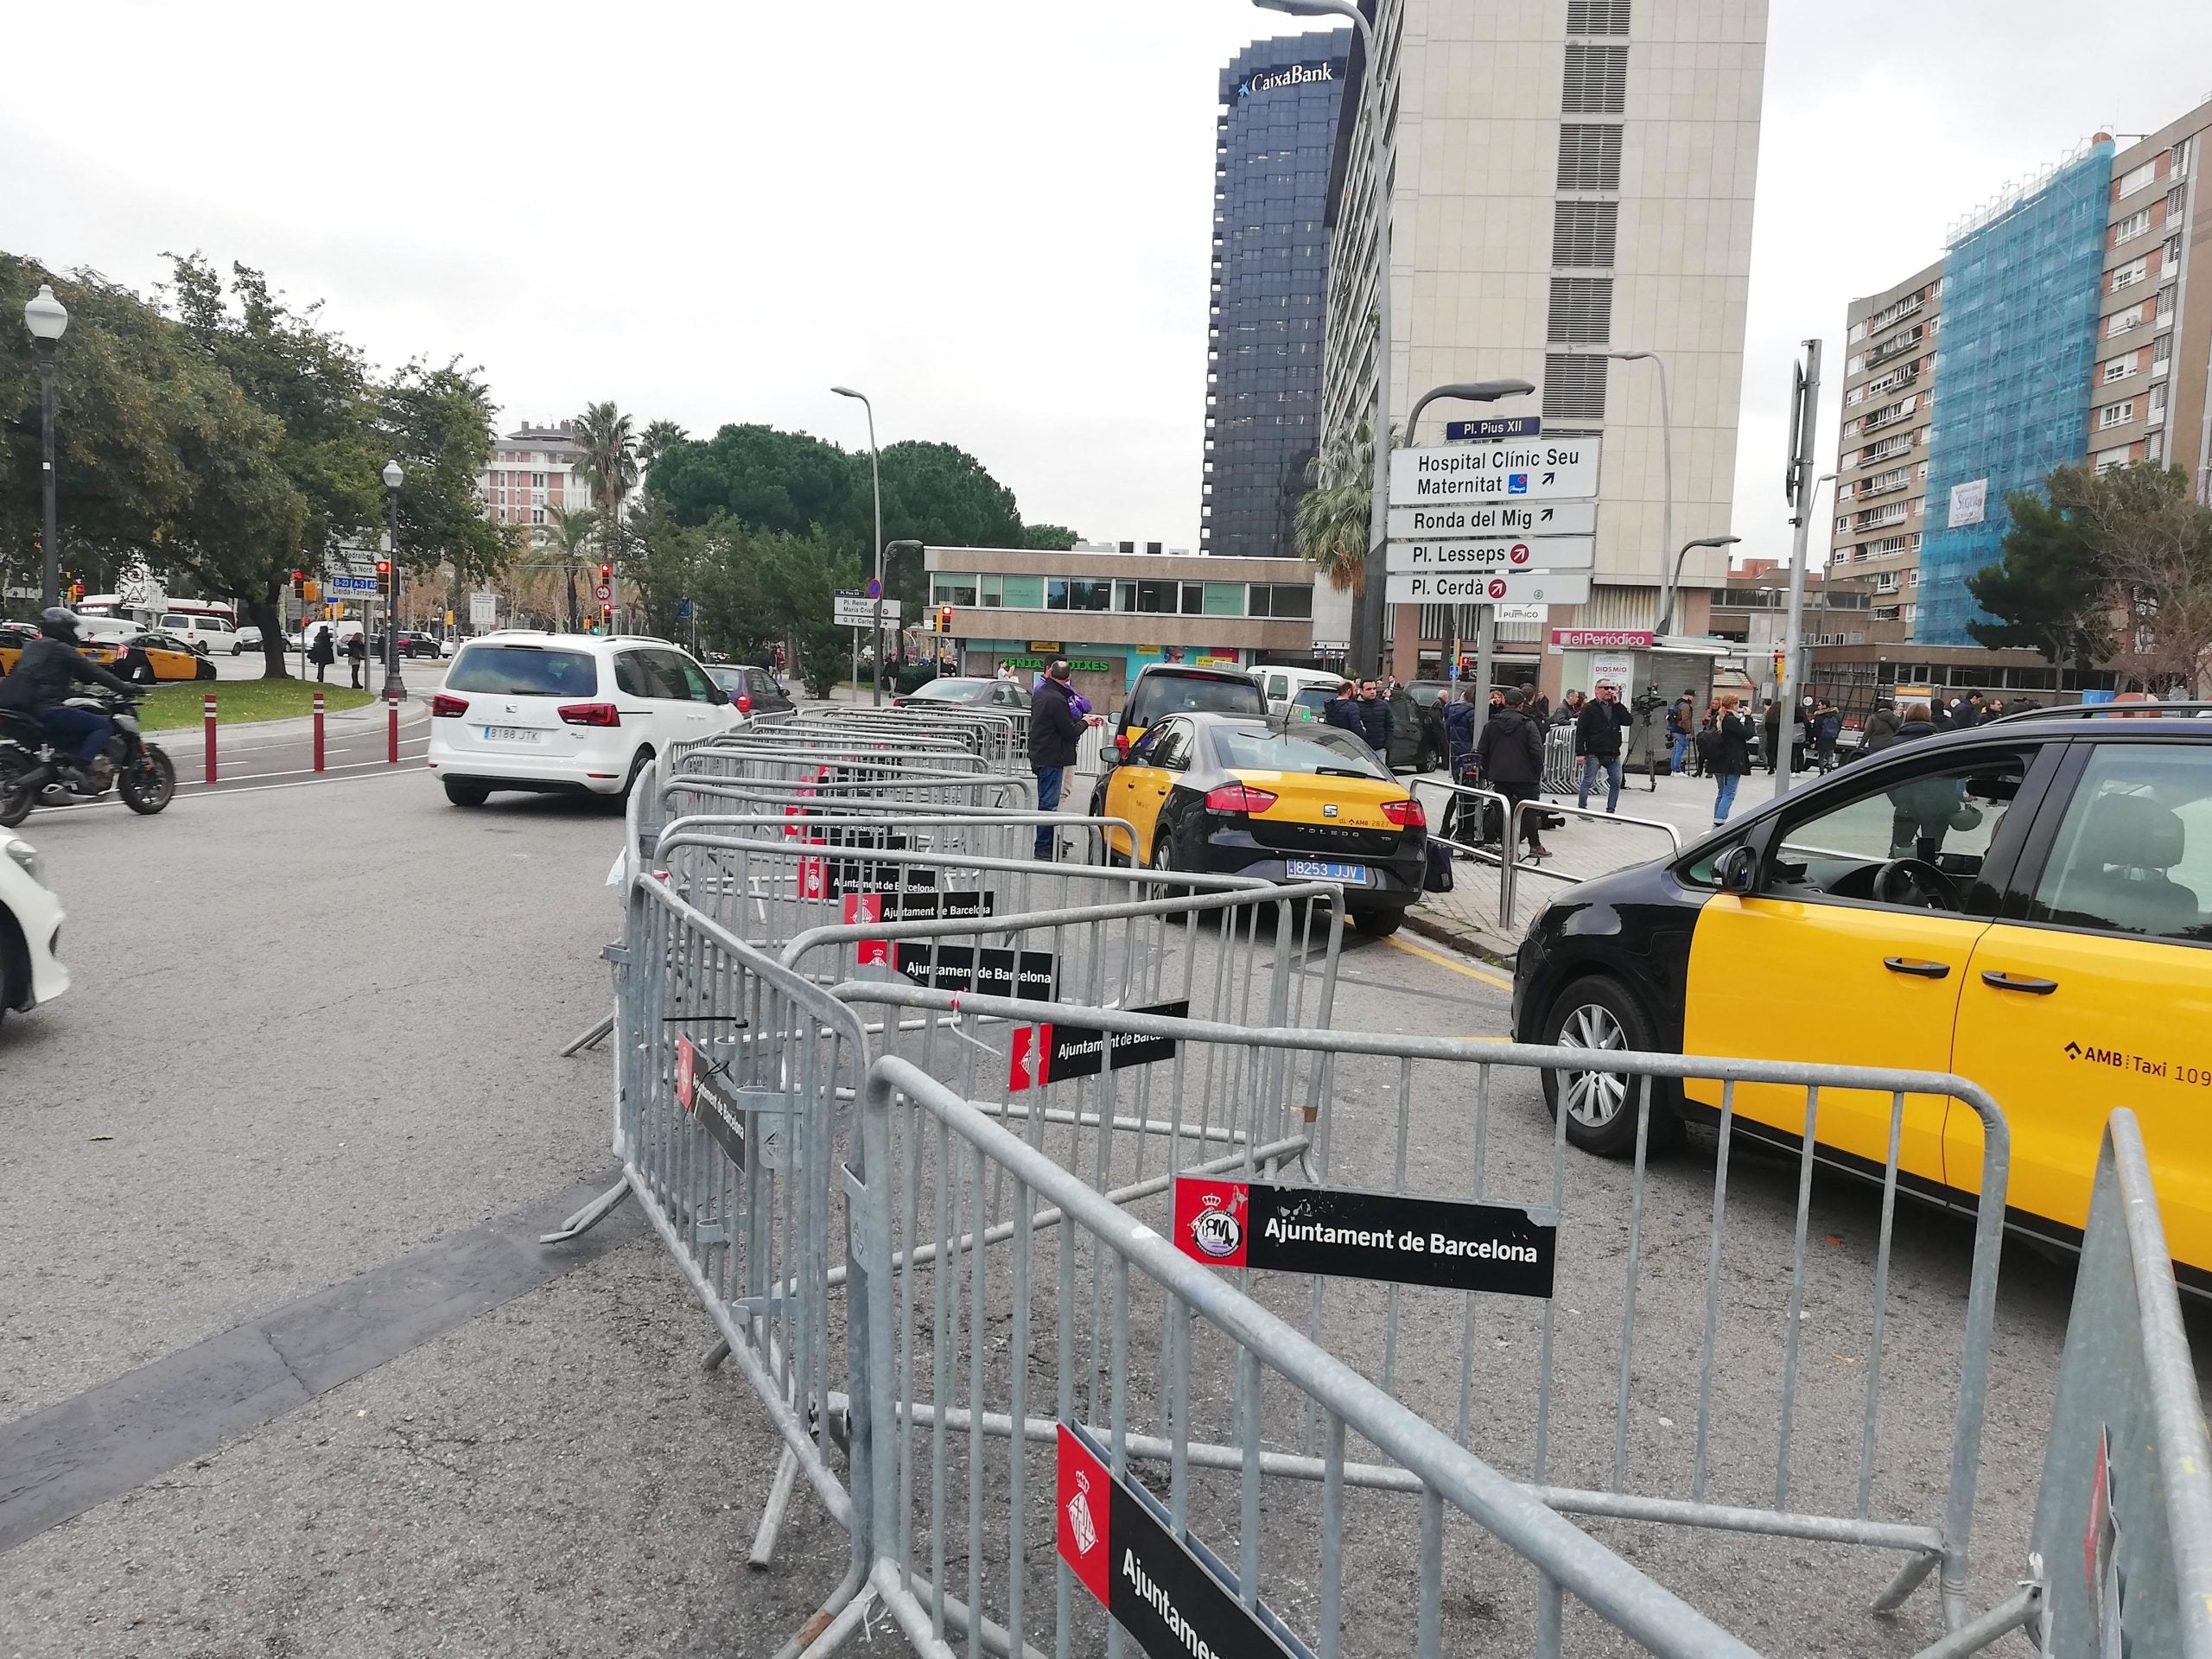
x,y
1571,177
1889,402
532,468
1274,140
2075,325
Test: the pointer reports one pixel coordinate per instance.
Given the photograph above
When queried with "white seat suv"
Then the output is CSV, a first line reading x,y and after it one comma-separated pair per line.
x,y
566,713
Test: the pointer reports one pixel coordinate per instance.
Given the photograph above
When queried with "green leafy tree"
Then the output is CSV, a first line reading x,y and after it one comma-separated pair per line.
x,y
571,538
764,478
2048,590
1048,539
657,439
437,423
609,466
663,566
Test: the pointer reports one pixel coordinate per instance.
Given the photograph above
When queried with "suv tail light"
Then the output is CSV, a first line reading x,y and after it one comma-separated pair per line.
x,y
445,707
1240,797
589,713
1407,815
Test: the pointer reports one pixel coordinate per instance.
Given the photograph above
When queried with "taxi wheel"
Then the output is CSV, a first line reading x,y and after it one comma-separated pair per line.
x,y
1163,860
1600,1013
1378,924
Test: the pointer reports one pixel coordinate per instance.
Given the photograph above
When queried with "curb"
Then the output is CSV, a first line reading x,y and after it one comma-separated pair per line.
x,y
1482,948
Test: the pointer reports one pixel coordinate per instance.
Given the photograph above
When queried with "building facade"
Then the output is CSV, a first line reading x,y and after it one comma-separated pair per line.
x,y
1889,405
2068,322
1112,611
1570,177
532,468
1273,145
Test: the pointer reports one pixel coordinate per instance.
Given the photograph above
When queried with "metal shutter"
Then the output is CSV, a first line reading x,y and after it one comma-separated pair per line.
x,y
1574,388
1585,232
1597,17
1582,311
1597,80
1589,158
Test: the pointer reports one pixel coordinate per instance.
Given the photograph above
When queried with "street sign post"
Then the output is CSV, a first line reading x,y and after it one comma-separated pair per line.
x,y
1488,587
1533,553
854,610
1554,469
1462,520
483,610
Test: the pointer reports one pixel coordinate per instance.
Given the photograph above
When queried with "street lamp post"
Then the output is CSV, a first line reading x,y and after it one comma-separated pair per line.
x,y
47,318
1471,391
1367,649
1667,596
393,687
1638,354
875,478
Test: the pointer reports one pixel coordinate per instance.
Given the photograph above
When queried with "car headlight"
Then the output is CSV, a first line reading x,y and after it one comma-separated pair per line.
x,y
27,858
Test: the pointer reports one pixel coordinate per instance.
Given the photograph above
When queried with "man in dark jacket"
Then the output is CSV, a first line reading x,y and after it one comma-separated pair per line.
x,y
1599,729
1511,752
1881,728
45,674
1375,720
1770,724
1459,731
1055,731
323,653
1342,710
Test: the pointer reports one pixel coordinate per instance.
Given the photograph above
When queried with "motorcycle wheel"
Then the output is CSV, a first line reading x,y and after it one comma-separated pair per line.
x,y
18,793
151,784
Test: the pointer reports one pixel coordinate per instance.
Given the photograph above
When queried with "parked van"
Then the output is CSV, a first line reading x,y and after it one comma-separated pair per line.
x,y
1282,685
204,632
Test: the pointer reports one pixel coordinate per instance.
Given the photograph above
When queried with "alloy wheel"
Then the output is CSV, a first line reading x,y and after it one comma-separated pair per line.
x,y
1593,1099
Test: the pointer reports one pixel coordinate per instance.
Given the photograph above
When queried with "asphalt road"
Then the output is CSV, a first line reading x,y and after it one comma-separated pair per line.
x,y
275,1160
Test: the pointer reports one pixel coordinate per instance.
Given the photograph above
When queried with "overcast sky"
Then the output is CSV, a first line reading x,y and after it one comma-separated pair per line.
x,y
991,216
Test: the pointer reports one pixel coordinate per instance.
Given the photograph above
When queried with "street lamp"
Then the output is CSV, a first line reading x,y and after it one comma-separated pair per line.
x,y
875,477
1471,391
393,687
1367,651
1667,596
48,319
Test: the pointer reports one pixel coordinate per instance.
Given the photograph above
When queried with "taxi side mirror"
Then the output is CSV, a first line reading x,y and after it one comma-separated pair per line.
x,y
1738,872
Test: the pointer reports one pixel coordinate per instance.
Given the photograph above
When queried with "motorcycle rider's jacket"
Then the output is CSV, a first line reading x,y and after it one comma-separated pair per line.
x,y
45,674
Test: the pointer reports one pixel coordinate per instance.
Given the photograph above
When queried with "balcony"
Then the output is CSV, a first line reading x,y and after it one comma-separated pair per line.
x,y
1889,415
1894,313
1896,345
1896,380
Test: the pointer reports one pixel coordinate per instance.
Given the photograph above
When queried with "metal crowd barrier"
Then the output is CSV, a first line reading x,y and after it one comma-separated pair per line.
x,y
998,737
1472,1334
1473,800
1562,774
960,1437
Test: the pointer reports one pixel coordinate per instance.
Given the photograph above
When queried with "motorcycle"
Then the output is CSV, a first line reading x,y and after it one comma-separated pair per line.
x,y
32,772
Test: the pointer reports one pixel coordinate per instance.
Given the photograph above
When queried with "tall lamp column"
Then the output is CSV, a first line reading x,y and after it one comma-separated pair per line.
x,y
393,687
48,319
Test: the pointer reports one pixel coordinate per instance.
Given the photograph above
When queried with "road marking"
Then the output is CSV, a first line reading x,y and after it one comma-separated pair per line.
x,y
193,792
113,1438
1502,984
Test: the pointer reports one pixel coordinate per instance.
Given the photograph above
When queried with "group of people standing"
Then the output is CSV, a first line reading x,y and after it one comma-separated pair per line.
x,y
323,648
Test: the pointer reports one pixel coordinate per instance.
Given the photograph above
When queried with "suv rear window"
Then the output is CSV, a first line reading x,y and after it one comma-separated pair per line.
x,y
1159,696
524,671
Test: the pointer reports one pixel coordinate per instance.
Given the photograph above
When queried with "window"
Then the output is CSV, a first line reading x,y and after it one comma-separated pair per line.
x,y
952,589
2128,274
2134,179
1079,594
2118,413
1282,752
2134,225
1574,388
537,515
523,671
1194,598
2120,321
537,481
1156,598
1597,80
1022,593
1589,157
1290,599
1585,232
1225,599
2108,458
1942,819
2119,368
2133,853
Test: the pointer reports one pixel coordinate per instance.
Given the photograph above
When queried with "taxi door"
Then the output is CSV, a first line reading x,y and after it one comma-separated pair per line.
x,y
1853,947
1137,789
2095,991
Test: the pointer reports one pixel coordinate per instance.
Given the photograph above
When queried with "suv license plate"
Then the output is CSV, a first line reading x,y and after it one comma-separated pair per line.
x,y
511,734
1308,869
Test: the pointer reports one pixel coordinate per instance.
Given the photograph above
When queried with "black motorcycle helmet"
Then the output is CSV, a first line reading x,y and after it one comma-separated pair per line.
x,y
58,622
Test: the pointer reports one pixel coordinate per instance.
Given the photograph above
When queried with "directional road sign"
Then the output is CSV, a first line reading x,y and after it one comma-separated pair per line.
x,y
351,584
1494,587
1549,469
1490,431
1518,553
855,611
1465,520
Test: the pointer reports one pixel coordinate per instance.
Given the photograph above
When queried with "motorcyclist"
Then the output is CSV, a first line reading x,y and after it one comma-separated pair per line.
x,y
44,675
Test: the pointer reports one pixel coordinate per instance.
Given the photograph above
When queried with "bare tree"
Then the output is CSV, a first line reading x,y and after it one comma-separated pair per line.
x,y
2153,543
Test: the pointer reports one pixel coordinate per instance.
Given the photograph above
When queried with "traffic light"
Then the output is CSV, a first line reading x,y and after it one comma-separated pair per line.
x,y
76,592
299,584
606,575
945,619
1780,657
384,578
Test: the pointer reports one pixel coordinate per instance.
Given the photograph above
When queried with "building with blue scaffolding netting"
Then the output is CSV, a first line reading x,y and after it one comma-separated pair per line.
x,y
2021,287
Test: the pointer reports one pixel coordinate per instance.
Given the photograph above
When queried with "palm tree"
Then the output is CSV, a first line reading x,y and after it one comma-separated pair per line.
x,y
1331,524
609,466
660,437
570,532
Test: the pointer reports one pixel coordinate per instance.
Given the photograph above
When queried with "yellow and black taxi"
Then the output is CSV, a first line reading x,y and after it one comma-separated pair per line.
x,y
1170,687
2026,904
1232,795
139,656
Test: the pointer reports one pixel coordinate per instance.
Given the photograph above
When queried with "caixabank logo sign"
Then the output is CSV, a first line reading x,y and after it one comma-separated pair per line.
x,y
1287,75
1168,1593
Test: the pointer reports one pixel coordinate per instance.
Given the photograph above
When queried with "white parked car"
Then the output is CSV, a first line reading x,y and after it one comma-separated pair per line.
x,y
566,713
205,634
30,931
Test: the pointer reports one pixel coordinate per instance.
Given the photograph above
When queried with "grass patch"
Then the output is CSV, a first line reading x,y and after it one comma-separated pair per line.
x,y
176,706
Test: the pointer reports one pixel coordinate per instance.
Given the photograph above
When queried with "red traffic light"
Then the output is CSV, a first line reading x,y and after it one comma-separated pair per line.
x,y
384,567
607,573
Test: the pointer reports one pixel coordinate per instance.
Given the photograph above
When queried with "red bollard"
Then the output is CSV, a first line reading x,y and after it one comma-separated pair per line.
x,y
318,731
391,730
207,709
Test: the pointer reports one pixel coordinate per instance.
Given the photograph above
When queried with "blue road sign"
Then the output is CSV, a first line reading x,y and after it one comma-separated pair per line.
x,y
875,589
684,610
352,584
